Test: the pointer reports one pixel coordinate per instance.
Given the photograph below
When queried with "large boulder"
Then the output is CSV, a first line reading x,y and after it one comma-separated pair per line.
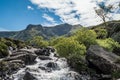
x,y
43,51
102,60
29,76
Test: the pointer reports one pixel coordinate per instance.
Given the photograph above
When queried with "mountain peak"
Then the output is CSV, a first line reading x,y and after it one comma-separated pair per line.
x,y
30,26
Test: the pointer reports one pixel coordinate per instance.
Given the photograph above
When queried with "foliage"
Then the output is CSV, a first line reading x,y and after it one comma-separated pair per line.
x,y
108,44
3,50
69,47
54,41
38,41
85,36
116,74
101,33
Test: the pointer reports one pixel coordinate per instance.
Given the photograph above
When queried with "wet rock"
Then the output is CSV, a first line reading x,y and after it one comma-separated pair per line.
x,y
44,52
42,68
51,49
101,60
29,76
8,68
74,76
56,55
45,58
27,58
52,66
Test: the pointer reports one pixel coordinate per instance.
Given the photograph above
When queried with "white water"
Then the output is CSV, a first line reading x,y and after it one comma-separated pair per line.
x,y
63,73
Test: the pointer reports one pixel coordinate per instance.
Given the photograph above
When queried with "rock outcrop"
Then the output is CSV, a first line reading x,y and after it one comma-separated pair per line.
x,y
103,61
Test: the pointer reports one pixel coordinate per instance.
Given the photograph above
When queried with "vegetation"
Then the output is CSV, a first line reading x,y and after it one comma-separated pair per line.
x,y
38,41
85,36
69,47
101,33
108,44
3,50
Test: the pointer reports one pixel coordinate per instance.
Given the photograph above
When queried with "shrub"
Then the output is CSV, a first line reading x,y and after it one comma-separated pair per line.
x,y
101,33
69,47
38,41
85,36
108,44
3,50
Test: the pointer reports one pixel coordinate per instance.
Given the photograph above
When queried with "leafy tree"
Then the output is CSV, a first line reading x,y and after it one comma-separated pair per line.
x,y
103,11
69,47
85,36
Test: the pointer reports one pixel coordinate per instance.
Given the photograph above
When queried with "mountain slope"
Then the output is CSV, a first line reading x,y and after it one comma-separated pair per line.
x,y
113,29
39,30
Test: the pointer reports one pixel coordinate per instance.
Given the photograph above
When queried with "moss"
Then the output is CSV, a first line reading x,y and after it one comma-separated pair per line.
x,y
116,74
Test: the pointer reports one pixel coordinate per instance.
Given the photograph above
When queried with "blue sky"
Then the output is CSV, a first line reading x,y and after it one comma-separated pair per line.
x,y
17,14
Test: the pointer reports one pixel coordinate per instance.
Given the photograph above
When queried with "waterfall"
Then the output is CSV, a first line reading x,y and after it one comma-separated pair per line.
x,y
52,68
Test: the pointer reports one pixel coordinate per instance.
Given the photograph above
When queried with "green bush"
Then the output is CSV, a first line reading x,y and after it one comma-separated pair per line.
x,y
38,41
108,44
54,41
3,50
69,47
85,36
101,33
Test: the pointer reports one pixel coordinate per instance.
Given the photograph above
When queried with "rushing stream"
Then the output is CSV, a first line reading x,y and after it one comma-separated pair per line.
x,y
52,68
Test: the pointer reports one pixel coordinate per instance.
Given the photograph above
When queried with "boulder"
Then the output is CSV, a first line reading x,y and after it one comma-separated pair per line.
x,y
52,66
27,58
45,58
44,52
29,76
8,68
51,49
102,60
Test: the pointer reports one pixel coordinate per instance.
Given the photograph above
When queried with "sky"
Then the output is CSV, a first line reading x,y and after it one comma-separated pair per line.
x,y
15,15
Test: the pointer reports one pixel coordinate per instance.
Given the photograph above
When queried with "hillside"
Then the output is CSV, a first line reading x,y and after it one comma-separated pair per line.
x,y
113,29
39,30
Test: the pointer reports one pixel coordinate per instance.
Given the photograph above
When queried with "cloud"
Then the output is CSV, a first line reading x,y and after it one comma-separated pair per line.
x,y
74,11
49,19
30,8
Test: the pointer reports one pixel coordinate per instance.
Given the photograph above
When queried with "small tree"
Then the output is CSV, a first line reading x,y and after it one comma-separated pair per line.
x,y
103,12
86,37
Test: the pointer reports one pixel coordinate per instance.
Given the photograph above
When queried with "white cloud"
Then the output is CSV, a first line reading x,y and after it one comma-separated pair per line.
x,y
49,19
30,7
67,10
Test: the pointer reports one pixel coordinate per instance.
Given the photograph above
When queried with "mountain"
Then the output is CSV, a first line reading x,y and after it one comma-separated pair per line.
x,y
39,30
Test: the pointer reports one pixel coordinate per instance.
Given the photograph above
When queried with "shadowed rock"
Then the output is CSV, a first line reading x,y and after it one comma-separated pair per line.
x,y
104,61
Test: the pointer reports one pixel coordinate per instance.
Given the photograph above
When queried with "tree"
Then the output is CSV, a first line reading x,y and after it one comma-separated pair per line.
x,y
86,37
103,12
69,47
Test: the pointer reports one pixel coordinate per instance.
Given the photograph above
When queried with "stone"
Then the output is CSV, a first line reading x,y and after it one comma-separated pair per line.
x,y
52,66
102,60
29,76
45,58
